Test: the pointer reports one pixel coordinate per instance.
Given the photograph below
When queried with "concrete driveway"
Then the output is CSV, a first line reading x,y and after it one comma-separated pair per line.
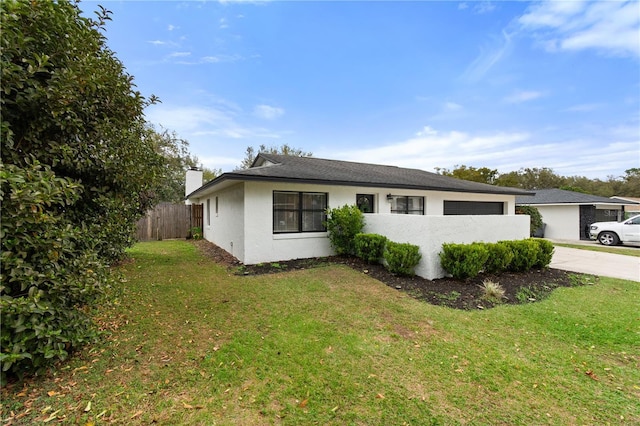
x,y
596,263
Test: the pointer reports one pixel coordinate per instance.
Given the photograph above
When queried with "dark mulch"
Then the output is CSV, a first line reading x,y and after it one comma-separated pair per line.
x,y
526,287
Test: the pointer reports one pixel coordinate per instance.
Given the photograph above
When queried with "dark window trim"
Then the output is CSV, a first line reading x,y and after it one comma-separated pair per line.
x,y
407,210
300,211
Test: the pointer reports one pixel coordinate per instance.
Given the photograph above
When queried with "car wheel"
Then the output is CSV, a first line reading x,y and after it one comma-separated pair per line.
x,y
608,239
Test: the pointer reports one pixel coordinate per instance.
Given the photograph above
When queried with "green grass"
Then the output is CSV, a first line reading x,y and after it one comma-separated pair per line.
x,y
630,251
189,342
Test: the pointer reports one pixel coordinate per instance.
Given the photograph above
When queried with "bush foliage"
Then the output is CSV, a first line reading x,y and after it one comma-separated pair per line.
x,y
468,260
78,170
343,224
370,247
401,258
534,216
464,260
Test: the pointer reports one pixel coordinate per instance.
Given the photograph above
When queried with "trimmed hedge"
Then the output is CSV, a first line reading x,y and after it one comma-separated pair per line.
x,y
370,247
343,224
401,258
468,260
464,260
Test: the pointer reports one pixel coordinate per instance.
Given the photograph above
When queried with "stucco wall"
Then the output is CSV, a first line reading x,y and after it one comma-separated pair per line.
x,y
563,222
430,232
226,228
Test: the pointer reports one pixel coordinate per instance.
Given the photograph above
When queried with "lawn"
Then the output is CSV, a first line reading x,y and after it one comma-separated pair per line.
x,y
189,342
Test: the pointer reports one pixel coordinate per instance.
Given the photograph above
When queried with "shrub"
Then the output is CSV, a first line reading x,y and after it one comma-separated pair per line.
x,y
525,254
464,260
500,257
534,215
370,247
343,224
545,254
50,271
401,258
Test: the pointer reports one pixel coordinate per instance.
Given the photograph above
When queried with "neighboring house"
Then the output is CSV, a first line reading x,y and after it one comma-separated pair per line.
x,y
630,210
275,210
568,214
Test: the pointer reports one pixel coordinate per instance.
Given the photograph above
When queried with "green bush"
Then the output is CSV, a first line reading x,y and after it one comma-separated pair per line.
x,y
500,257
401,258
545,253
50,272
525,254
534,216
343,224
370,247
464,260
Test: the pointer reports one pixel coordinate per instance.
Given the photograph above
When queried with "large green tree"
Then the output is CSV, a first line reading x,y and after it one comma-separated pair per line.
x,y
77,170
285,149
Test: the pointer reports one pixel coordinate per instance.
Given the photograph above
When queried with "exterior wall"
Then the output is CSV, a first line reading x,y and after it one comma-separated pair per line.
x,y
226,227
193,181
430,232
262,245
563,222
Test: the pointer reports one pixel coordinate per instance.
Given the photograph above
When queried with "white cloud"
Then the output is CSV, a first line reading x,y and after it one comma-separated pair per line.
x,y
484,7
179,54
583,108
611,27
268,112
452,106
523,96
489,56
172,27
505,151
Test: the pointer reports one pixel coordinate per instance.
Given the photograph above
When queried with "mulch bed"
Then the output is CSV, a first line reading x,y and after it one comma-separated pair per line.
x,y
526,287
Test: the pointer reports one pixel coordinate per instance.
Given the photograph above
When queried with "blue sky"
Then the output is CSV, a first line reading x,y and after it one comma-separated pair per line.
x,y
428,84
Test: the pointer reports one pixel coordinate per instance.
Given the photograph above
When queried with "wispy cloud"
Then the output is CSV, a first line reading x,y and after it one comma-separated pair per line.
x,y
523,96
610,27
503,150
583,108
268,112
489,56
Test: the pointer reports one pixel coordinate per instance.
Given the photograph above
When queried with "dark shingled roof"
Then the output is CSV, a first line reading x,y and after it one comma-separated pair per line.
x,y
286,168
560,196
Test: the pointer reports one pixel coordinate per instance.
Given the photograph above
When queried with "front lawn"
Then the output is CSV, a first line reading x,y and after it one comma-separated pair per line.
x,y
190,342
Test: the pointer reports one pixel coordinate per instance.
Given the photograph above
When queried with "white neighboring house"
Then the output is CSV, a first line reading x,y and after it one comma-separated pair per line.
x,y
275,210
568,214
629,210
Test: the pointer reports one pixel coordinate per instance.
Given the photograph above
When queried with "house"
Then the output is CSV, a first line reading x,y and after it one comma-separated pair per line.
x,y
275,210
630,210
568,214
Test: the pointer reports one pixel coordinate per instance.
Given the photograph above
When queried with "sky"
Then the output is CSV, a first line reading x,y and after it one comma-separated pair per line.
x,y
423,84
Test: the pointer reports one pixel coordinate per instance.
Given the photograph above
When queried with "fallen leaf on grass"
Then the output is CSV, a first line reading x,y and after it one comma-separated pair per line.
x,y
591,374
192,407
380,396
137,414
303,403
52,393
88,407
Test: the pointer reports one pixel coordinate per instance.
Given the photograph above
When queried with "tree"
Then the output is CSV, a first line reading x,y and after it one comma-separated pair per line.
x,y
78,170
285,149
482,174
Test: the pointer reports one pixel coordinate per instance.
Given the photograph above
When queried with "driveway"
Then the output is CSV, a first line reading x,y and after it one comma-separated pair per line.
x,y
596,263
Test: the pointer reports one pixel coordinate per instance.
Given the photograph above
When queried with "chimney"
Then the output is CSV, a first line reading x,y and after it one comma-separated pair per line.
x,y
193,181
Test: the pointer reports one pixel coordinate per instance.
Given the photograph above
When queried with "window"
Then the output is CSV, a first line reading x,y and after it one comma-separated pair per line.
x,y
216,206
365,202
407,205
473,208
299,211
208,211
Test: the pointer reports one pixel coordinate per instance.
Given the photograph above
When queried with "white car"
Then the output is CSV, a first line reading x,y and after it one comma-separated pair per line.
x,y
613,233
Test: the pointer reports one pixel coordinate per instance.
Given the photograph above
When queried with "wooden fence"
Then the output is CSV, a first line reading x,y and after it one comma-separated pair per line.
x,y
168,221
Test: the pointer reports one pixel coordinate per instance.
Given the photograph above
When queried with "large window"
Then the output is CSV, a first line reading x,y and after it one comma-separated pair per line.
x,y
401,204
299,211
473,208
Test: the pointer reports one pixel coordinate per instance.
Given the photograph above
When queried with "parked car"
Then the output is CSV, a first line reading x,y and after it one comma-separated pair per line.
x,y
613,233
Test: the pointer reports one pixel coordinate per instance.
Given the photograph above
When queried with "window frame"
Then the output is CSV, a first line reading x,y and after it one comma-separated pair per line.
x,y
407,210
300,211
370,199
472,208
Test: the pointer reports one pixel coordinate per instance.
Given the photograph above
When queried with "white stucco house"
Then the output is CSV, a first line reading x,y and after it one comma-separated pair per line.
x,y
568,214
275,210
